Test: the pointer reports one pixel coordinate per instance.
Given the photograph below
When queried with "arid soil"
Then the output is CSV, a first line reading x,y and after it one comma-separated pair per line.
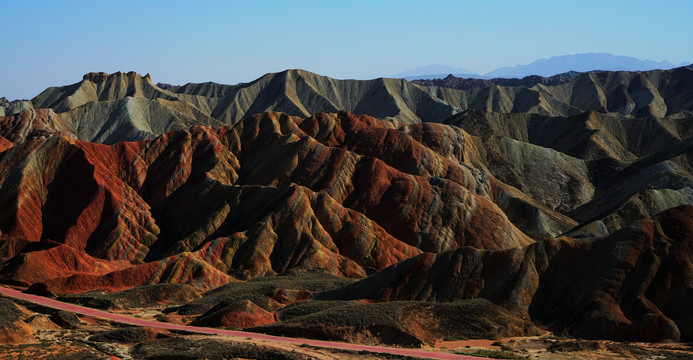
x,y
94,337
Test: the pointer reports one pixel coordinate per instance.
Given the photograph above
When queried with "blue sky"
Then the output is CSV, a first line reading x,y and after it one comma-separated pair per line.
x,y
49,43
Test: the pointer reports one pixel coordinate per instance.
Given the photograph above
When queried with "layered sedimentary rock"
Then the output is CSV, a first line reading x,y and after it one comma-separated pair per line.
x,y
127,106
633,284
604,170
531,206
14,328
32,124
335,192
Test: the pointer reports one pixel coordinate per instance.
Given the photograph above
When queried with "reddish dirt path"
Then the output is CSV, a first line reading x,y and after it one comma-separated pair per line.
x,y
202,330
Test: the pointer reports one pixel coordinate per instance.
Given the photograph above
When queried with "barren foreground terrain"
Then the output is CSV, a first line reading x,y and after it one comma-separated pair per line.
x,y
99,334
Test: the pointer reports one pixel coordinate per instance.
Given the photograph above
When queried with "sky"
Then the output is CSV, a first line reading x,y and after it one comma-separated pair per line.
x,y
54,43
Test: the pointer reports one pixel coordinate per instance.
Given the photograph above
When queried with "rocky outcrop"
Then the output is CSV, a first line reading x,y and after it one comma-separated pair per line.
x,y
166,86
31,125
9,108
109,108
237,315
13,328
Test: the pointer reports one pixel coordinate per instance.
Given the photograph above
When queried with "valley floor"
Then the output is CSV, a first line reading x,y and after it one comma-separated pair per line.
x,y
100,334
166,341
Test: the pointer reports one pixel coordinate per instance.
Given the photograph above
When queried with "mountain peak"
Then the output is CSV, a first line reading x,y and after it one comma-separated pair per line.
x,y
97,77
98,86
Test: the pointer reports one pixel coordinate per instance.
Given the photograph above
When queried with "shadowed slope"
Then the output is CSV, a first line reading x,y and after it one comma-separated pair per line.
x,y
546,281
274,193
601,170
589,136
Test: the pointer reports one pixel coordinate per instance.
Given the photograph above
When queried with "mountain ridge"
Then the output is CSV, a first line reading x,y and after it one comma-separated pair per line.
x,y
127,106
547,67
581,63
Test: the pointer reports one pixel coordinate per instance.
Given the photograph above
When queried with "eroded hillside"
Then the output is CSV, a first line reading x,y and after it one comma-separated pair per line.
x,y
560,207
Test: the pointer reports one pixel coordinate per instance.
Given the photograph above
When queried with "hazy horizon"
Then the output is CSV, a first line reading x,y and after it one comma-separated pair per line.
x,y
179,42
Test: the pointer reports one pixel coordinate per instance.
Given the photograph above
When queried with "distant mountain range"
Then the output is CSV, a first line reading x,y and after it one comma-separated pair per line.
x,y
544,67
435,72
581,63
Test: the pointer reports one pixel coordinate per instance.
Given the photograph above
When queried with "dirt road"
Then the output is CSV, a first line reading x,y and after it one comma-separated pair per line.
x,y
125,319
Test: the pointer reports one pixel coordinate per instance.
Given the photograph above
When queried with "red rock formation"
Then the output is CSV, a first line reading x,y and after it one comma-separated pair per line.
x,y
239,315
5,144
70,192
183,268
274,193
634,284
46,260
32,124
418,204
13,328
